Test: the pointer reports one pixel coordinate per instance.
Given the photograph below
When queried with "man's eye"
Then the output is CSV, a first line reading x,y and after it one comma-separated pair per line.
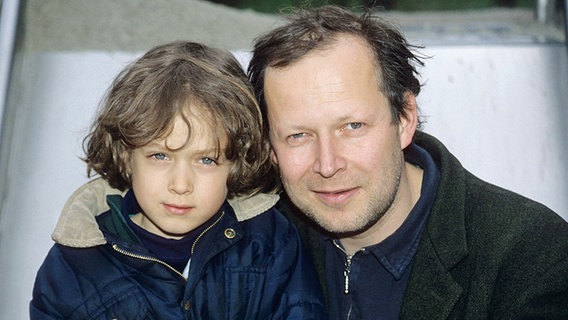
x,y
159,156
354,125
207,161
297,135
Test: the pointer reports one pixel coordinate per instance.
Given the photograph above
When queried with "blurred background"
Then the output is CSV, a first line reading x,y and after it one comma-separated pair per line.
x,y
495,92
401,5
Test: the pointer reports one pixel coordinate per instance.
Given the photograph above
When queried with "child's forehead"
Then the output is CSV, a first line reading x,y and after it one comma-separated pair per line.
x,y
197,119
195,130
194,110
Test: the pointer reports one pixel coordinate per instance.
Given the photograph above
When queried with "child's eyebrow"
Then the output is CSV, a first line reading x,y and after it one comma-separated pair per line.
x,y
156,143
160,144
205,150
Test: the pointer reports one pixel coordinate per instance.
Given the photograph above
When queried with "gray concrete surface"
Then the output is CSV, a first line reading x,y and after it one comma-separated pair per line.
x,y
136,25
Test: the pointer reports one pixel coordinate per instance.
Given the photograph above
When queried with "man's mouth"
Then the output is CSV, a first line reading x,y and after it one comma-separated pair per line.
x,y
335,197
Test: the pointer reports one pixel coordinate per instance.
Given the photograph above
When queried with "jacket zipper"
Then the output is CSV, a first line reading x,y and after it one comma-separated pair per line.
x,y
147,258
205,231
141,257
346,273
347,270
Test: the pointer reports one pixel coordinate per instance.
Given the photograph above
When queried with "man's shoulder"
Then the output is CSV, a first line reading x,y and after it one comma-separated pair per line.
x,y
461,192
491,203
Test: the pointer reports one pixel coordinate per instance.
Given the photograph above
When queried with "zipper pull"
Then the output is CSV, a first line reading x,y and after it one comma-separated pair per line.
x,y
346,273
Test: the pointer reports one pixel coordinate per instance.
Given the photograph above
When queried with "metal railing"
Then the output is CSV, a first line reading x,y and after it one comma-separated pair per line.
x,y
8,26
545,12
9,13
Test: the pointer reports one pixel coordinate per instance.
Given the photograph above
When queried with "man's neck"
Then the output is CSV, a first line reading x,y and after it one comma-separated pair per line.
x,y
406,197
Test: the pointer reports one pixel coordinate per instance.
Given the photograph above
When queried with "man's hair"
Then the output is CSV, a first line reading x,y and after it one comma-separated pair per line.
x,y
146,97
310,30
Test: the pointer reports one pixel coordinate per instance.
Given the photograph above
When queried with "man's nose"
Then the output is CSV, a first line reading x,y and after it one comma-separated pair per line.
x,y
329,157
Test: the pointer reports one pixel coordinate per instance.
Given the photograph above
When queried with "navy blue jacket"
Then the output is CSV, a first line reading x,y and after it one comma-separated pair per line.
x,y
255,268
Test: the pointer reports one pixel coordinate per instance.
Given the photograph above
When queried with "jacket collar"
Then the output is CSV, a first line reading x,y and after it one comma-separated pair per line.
x,y
77,226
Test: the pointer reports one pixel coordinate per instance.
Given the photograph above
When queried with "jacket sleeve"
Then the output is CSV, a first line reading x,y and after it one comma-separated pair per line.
x,y
535,271
87,283
291,276
37,314
42,305
521,256
547,297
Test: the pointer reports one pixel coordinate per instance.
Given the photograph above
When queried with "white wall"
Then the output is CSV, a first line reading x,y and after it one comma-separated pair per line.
x,y
57,102
503,111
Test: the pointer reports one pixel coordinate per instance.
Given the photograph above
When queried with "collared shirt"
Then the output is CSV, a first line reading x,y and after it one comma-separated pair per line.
x,y
370,284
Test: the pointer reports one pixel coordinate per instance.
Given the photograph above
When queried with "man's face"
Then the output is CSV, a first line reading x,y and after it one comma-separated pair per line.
x,y
338,151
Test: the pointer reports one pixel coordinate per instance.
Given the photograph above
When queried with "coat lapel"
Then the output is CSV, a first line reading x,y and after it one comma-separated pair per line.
x,y
432,291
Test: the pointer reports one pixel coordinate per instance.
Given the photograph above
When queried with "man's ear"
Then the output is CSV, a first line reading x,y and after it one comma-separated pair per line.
x,y
408,120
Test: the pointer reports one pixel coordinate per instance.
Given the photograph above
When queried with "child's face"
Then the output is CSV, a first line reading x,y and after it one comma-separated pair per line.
x,y
178,190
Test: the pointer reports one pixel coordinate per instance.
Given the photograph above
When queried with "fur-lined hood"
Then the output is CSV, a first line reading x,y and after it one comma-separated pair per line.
x,y
77,226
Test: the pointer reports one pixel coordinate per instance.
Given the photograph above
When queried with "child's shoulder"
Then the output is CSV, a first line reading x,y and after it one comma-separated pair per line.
x,y
270,226
247,208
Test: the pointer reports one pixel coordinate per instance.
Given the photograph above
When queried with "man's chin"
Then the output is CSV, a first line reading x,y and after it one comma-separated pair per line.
x,y
335,229
338,228
339,233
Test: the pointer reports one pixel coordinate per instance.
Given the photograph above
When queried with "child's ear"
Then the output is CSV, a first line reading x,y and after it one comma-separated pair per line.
x,y
273,156
126,163
408,120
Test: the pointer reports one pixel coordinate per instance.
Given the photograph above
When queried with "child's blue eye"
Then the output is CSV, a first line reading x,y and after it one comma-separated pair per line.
x,y
207,161
159,156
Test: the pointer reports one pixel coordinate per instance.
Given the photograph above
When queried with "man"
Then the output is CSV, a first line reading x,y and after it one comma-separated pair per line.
x,y
397,227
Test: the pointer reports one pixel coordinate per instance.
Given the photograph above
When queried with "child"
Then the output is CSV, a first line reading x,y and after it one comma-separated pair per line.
x,y
180,133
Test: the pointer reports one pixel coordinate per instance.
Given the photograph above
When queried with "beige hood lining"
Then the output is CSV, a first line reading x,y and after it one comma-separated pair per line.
x,y
77,226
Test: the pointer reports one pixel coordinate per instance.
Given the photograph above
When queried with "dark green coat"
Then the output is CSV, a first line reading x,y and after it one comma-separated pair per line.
x,y
486,253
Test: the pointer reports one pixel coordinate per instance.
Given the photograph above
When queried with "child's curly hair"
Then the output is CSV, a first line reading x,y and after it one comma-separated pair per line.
x,y
150,93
